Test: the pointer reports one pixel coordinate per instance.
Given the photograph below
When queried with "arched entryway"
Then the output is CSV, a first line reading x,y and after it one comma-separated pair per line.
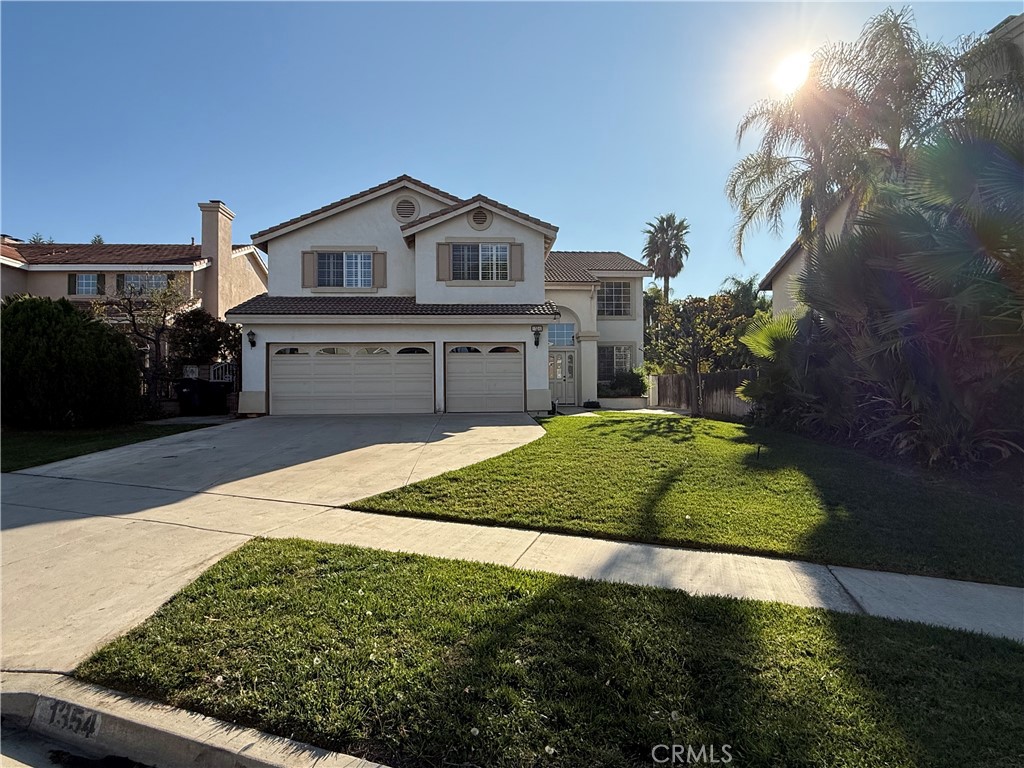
x,y
563,358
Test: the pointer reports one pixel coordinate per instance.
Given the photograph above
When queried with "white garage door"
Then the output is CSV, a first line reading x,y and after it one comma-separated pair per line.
x,y
484,377
351,378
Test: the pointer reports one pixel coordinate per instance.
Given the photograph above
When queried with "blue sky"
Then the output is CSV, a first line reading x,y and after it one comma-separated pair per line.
x,y
117,118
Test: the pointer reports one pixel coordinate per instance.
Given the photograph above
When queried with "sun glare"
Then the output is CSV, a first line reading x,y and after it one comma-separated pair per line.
x,y
792,71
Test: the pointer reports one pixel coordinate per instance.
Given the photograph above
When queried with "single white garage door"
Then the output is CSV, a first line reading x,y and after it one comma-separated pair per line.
x,y
484,377
351,378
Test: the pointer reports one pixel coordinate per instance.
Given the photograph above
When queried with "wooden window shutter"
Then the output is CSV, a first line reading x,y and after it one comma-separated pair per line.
x,y
380,269
119,282
444,261
72,284
515,262
309,269
101,284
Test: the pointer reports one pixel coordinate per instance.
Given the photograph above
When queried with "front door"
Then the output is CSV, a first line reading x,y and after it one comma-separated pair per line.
x,y
562,376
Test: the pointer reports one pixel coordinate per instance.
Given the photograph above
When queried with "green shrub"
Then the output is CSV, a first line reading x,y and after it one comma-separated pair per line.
x,y
62,368
625,384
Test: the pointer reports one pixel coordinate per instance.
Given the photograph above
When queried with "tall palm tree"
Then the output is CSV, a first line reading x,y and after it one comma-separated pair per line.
x,y
806,157
666,249
850,128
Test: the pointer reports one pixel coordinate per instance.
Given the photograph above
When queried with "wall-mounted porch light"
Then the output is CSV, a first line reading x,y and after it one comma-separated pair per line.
x,y
251,335
537,330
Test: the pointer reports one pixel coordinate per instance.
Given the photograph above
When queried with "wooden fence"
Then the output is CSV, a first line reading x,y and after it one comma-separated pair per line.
x,y
718,393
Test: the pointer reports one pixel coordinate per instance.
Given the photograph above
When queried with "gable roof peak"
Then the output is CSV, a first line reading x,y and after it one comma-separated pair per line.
x,y
326,210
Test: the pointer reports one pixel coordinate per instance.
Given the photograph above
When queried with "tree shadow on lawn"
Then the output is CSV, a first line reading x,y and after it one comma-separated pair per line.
x,y
572,674
415,662
677,429
885,517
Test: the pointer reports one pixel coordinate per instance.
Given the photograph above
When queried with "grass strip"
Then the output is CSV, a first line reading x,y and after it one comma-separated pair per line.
x,y
416,661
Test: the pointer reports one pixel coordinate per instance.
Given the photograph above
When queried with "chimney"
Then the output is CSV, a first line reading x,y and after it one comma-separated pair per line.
x,y
216,246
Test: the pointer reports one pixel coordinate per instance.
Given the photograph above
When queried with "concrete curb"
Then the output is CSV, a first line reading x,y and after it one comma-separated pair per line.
x,y
99,722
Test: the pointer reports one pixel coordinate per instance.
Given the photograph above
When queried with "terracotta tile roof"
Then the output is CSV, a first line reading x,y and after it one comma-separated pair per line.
x,y
377,305
352,198
108,253
11,252
476,200
578,266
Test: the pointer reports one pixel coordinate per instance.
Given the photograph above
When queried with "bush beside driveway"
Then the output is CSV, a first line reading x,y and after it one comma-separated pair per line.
x,y
732,488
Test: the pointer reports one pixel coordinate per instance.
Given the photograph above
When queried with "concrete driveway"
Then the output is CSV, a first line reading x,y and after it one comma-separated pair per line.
x,y
91,546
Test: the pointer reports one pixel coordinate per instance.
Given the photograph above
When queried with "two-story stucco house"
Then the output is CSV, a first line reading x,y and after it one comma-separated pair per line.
x,y
404,298
216,273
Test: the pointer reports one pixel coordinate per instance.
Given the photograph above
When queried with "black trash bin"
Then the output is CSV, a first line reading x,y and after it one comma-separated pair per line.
x,y
189,397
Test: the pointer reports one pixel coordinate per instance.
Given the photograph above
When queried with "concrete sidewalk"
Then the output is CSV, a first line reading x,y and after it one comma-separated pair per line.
x,y
126,549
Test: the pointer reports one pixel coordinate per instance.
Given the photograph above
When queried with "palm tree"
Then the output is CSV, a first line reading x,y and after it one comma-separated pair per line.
x,y
850,128
666,249
806,157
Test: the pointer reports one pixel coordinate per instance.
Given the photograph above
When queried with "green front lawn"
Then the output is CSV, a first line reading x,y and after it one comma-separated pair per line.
x,y
20,449
417,661
728,487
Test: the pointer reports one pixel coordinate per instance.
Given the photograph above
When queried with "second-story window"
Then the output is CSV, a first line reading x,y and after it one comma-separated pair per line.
x,y
145,282
345,269
479,261
613,300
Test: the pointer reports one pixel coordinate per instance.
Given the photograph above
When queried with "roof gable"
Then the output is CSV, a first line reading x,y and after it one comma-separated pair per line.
x,y
479,201
399,182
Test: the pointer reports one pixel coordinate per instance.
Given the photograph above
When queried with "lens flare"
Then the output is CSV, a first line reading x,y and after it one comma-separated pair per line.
x,y
792,71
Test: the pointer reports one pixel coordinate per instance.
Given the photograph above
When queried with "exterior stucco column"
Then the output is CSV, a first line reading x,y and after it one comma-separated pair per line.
x,y
587,372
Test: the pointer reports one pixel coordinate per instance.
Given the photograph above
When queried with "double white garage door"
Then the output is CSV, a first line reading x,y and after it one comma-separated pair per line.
x,y
394,378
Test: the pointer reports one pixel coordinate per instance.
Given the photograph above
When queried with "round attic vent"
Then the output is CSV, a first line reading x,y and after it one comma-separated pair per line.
x,y
405,209
479,218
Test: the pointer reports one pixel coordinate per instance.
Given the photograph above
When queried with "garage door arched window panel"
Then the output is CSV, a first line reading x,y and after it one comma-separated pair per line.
x,y
373,351
413,351
463,350
332,351
291,351
504,350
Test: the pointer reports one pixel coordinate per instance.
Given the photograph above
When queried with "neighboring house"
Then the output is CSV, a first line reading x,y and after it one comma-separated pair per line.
x,y
404,298
218,275
781,278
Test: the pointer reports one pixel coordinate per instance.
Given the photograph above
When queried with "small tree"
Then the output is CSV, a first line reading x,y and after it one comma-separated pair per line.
x,y
147,316
96,240
38,239
198,338
63,368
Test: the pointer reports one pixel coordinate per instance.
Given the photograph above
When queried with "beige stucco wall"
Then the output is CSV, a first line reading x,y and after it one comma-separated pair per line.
x,y
370,224
429,290
238,280
13,280
55,284
784,285
254,359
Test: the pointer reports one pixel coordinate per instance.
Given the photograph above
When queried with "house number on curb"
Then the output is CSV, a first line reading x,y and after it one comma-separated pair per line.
x,y
67,717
